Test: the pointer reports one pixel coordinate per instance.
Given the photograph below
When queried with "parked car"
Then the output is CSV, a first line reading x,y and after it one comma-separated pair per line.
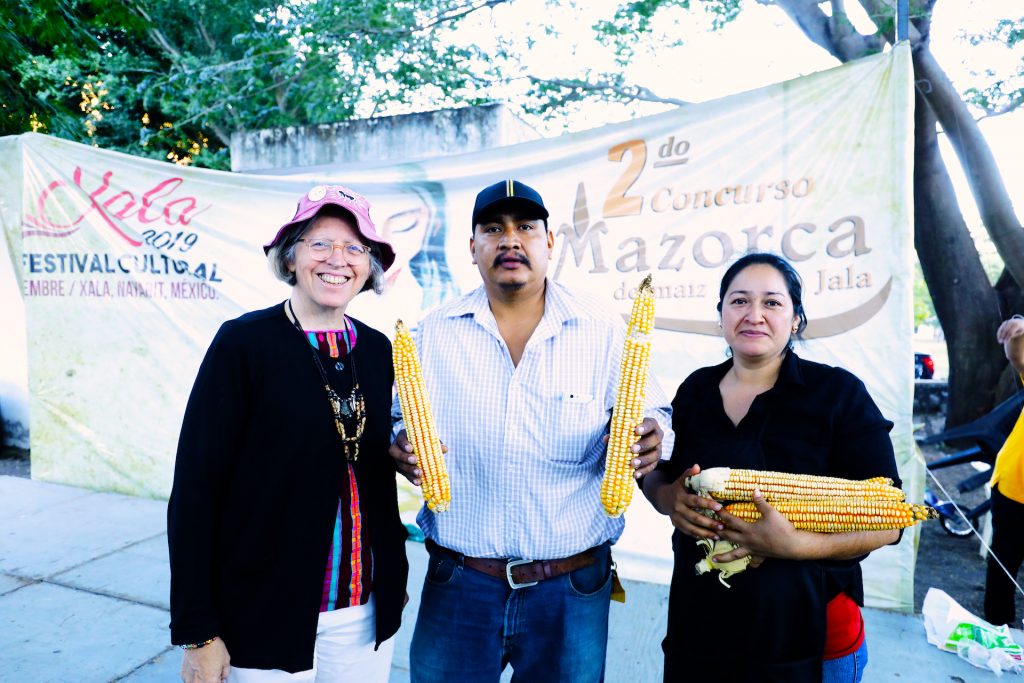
x,y
924,366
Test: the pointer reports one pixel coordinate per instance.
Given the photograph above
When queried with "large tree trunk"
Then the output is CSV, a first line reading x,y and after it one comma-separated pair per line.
x,y
976,158
965,303
949,260
972,149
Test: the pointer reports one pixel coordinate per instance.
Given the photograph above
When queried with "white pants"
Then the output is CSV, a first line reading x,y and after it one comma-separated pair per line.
x,y
343,653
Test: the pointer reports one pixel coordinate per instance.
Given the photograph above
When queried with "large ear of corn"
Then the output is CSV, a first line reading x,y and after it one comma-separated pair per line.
x,y
810,503
726,484
844,514
618,482
419,421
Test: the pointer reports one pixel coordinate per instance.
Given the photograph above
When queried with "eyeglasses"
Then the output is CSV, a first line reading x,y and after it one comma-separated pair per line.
x,y
321,250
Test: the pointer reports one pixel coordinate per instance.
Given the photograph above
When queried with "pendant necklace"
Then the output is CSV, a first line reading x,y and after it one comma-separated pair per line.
x,y
343,409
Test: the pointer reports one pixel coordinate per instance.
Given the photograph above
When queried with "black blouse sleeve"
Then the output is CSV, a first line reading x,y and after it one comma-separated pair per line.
x,y
214,417
682,416
861,447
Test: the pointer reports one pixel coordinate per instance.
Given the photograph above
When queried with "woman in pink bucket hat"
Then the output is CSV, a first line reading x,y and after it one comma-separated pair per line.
x,y
287,552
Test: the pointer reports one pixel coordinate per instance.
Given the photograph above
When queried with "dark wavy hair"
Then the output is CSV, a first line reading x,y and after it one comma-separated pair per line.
x,y
794,285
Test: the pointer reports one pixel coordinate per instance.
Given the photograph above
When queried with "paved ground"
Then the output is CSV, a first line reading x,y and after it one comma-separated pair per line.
x,y
83,598
14,462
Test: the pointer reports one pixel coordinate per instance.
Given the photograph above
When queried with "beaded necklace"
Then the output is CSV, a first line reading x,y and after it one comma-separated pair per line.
x,y
352,407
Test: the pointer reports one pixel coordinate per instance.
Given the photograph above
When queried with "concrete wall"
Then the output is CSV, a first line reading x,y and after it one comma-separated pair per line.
x,y
389,138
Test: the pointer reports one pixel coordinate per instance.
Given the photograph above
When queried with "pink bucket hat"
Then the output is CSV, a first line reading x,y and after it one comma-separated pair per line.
x,y
339,195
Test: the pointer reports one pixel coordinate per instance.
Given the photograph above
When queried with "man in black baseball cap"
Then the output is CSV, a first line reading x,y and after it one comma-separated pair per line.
x,y
506,195
521,373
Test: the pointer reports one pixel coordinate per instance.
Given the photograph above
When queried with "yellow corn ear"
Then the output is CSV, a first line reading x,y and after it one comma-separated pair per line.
x,y
419,421
618,482
842,514
726,484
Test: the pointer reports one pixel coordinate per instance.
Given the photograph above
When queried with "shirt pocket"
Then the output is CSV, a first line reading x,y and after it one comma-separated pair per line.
x,y
576,423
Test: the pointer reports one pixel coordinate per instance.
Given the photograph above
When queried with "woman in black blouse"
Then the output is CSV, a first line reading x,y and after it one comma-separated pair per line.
x,y
765,408
283,521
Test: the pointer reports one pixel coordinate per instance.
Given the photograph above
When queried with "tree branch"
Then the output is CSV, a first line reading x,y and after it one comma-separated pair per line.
x,y
205,35
363,29
883,14
810,19
222,133
1014,104
835,34
156,34
245,62
461,12
636,93
851,44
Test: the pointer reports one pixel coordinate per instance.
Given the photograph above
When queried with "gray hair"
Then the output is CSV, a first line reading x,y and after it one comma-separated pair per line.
x,y
282,255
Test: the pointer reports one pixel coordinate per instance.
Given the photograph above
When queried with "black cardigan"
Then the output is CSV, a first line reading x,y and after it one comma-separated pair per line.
x,y
815,420
257,477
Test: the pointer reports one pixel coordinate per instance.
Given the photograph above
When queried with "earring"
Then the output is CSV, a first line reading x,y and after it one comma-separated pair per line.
x,y
796,327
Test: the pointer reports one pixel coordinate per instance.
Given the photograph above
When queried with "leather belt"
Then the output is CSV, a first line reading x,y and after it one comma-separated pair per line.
x,y
520,573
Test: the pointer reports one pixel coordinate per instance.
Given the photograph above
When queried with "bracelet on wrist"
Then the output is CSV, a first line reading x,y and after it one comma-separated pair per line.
x,y
196,646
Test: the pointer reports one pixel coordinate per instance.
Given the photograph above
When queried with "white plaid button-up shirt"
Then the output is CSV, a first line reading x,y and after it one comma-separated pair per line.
x,y
525,453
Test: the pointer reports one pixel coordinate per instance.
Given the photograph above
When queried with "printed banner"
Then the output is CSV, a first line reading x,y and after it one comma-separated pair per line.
x,y
128,266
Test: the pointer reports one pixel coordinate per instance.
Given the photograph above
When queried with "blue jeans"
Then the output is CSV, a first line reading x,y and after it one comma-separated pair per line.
x,y
471,625
848,669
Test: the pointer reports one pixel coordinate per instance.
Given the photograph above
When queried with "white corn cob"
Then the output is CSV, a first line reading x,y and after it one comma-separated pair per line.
x,y
726,485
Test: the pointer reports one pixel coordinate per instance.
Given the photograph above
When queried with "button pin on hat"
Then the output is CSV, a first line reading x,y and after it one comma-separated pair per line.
x,y
316,198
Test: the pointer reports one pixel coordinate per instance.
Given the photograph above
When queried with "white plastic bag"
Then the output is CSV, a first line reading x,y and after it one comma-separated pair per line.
x,y
951,628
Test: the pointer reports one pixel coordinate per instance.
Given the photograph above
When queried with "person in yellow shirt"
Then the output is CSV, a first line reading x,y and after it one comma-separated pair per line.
x,y
1007,498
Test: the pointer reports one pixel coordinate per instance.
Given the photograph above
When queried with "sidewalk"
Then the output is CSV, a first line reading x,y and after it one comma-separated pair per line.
x,y
84,583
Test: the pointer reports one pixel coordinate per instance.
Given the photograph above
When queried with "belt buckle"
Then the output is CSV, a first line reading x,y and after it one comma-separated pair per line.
x,y
508,574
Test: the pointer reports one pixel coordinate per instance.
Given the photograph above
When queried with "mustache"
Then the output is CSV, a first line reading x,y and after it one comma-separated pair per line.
x,y
512,256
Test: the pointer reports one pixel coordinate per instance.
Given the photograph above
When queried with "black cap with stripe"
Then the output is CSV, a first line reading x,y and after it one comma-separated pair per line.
x,y
509,194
